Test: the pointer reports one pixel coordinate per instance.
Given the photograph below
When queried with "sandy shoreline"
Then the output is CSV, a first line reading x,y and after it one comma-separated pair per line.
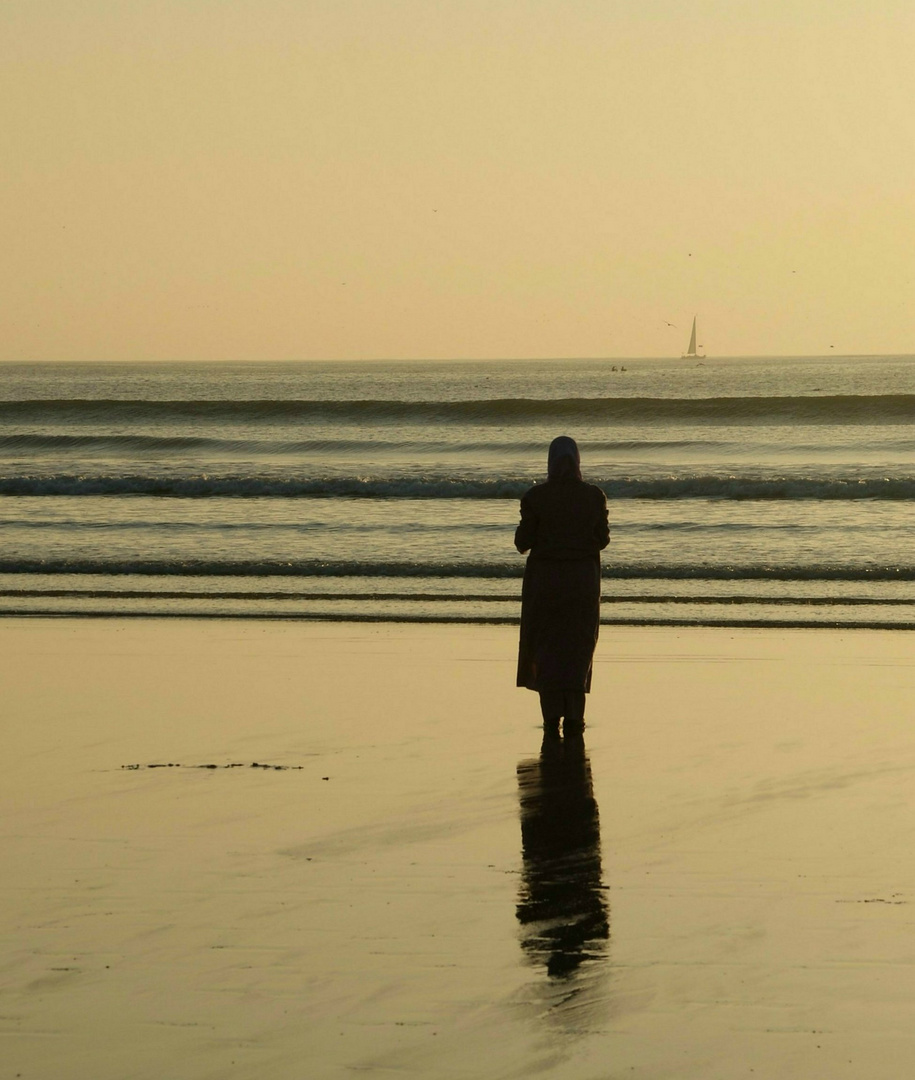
x,y
359,912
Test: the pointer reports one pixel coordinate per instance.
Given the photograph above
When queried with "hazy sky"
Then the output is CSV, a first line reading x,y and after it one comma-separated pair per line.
x,y
283,179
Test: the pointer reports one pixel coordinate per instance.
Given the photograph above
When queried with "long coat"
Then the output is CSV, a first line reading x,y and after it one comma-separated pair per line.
x,y
564,527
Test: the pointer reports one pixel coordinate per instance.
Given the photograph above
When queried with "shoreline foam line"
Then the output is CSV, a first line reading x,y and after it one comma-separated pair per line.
x,y
472,620
446,598
506,570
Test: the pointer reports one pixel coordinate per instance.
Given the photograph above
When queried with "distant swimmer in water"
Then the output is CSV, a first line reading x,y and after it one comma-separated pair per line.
x,y
564,528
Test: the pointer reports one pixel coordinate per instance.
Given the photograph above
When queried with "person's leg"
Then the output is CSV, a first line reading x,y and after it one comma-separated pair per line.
x,y
551,704
573,709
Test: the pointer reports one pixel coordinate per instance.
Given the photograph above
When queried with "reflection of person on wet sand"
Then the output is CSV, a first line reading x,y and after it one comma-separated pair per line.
x,y
564,527
561,905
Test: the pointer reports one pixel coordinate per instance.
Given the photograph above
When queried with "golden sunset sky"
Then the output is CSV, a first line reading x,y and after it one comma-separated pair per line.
x,y
323,179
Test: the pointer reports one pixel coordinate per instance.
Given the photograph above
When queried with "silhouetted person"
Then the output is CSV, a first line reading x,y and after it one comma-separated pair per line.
x,y
562,905
564,527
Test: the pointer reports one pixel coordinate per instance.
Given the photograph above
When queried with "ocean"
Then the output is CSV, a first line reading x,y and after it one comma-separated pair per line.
x,y
742,492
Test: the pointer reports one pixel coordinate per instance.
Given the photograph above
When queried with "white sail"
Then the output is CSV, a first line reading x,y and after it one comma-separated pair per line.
x,y
691,353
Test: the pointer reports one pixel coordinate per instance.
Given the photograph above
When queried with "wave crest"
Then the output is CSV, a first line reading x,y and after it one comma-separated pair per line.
x,y
449,487
846,408
398,569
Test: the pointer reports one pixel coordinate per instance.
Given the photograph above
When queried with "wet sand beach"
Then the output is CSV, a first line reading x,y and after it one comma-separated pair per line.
x,y
718,882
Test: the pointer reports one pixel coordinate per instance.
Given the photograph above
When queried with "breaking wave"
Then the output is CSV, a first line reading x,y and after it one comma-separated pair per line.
x,y
451,487
850,408
483,570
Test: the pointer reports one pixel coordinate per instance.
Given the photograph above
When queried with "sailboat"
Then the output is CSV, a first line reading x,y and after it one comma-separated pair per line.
x,y
691,353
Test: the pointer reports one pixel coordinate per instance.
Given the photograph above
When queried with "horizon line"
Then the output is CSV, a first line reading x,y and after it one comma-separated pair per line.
x,y
484,359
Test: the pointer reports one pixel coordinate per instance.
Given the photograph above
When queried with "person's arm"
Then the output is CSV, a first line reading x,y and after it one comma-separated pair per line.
x,y
602,528
526,533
